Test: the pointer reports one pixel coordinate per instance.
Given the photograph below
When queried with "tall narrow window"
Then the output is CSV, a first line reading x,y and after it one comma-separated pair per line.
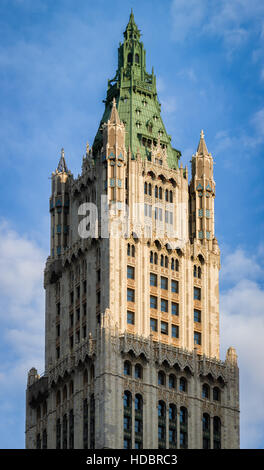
x,y
183,428
130,272
162,424
44,439
71,430
130,295
127,420
217,432
92,422
64,432
172,426
161,378
206,431
138,421
153,280
58,434
85,424
206,391
197,293
127,368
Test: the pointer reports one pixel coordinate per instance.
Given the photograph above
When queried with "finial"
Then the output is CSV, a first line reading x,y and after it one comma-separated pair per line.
x,y
87,147
114,102
202,134
62,152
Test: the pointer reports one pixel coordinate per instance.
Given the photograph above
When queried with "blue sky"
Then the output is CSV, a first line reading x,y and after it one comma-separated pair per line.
x,y
55,59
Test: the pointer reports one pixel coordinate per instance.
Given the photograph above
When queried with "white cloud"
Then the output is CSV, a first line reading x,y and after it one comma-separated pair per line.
x,y
230,21
21,306
242,326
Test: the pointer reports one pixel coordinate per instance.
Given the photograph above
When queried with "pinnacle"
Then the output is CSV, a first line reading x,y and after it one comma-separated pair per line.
x,y
114,117
62,167
202,149
131,27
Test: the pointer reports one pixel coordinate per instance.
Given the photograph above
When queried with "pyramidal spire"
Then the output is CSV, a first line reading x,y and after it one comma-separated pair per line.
x,y
62,167
202,149
132,30
114,117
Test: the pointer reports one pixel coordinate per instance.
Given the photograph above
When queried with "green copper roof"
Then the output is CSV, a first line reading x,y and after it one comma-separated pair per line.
x,y
136,99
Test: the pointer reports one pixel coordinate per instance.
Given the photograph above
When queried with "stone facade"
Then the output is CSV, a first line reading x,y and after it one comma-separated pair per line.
x,y
132,301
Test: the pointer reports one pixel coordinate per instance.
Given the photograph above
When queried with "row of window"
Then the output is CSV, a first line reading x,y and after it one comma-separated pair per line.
x,y
158,214
133,421
158,191
172,418
153,321
164,328
163,261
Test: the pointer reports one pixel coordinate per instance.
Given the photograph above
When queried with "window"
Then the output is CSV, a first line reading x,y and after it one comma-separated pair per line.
x,y
197,338
127,443
162,434
161,378
138,402
155,258
172,381
174,286
153,324
174,308
206,431
183,384
205,391
164,328
199,272
138,371
153,302
127,399
217,432
174,331
161,409
156,192
164,283
130,272
151,257
160,193
130,318
127,368
137,426
153,280
216,394
161,260
146,188
197,316
195,271
130,295
197,293
127,423
164,305
127,427
183,428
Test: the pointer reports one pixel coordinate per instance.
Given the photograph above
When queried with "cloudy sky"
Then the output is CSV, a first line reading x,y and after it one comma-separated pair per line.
x,y
55,59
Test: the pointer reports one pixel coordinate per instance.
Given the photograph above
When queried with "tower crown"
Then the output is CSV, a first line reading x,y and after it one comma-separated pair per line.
x,y
135,92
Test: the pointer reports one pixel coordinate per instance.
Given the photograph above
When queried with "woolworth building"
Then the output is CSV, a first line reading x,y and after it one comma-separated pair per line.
x,y
132,296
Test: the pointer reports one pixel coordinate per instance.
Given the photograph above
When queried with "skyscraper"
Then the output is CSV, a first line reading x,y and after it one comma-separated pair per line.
x,y
132,289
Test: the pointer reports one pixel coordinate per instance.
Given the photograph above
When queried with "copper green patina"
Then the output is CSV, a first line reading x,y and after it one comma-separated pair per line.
x,y
136,97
